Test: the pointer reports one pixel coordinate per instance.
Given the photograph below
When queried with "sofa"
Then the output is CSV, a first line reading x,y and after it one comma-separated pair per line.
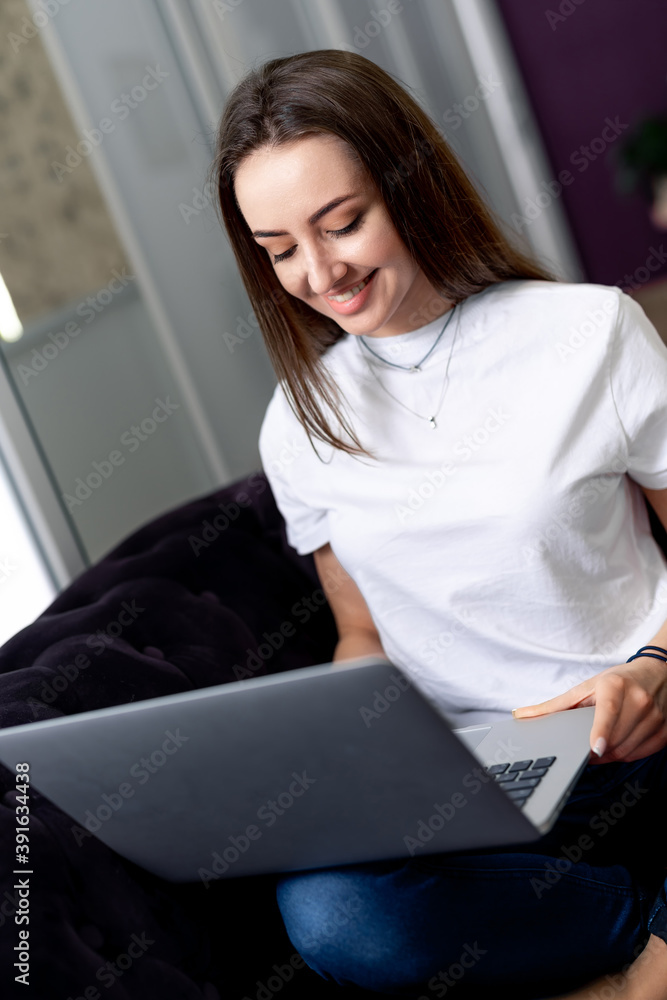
x,y
185,602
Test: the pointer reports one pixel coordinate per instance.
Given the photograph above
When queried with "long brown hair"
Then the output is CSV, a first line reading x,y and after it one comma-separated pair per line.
x,y
453,236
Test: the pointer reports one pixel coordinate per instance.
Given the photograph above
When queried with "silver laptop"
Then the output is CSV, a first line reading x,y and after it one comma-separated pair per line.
x,y
326,765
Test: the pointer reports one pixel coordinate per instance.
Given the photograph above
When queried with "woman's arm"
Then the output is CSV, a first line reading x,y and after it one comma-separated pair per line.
x,y
630,719
357,635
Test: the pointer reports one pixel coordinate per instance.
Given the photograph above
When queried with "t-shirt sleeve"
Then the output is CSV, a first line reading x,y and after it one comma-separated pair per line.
x,y
638,376
280,443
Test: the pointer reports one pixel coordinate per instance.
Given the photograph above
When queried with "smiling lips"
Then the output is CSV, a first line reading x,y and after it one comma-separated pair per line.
x,y
351,292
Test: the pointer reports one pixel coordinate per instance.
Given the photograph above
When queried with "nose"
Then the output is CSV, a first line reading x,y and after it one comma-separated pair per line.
x,y
323,269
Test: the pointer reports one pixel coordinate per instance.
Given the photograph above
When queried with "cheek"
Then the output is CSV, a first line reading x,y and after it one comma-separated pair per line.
x,y
389,249
298,288
287,281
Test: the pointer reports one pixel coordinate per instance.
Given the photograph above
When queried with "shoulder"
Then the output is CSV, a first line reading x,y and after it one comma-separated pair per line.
x,y
564,297
561,317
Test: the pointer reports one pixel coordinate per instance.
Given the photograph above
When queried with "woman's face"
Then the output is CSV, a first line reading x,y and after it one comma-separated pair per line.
x,y
326,230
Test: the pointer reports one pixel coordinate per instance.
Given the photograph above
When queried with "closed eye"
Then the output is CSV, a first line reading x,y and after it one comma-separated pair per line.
x,y
353,226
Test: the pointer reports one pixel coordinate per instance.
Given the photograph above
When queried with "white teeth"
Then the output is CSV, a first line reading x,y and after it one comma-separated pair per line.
x,y
350,293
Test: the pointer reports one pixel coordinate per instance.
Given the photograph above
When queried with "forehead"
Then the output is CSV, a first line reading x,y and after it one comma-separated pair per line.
x,y
301,176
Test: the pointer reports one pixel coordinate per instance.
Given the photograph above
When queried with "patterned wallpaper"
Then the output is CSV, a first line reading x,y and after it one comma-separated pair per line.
x,y
57,241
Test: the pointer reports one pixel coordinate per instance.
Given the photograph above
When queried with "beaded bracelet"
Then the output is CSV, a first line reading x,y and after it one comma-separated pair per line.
x,y
641,652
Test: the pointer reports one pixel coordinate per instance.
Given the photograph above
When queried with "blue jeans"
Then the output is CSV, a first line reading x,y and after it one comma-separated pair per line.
x,y
539,918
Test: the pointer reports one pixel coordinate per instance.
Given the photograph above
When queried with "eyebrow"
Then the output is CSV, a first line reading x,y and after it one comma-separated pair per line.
x,y
312,220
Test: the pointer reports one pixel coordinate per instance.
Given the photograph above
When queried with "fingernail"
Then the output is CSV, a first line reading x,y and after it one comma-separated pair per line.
x,y
600,746
514,711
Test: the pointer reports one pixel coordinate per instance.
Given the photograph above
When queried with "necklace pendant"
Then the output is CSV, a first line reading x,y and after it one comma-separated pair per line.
x,y
415,368
432,422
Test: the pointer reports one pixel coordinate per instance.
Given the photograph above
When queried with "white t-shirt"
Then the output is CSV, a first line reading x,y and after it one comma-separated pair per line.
x,y
505,555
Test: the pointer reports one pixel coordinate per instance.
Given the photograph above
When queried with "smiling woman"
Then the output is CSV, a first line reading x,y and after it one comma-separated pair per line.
x,y
294,140
332,276
491,553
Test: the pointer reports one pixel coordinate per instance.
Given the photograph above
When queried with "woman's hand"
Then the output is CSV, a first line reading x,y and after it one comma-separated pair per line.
x,y
630,720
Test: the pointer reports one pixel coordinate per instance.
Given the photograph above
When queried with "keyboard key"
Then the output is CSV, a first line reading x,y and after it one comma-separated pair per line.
x,y
496,768
525,783
544,762
521,765
504,779
519,796
535,772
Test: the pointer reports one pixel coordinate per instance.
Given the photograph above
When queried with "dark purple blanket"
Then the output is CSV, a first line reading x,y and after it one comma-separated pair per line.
x,y
194,598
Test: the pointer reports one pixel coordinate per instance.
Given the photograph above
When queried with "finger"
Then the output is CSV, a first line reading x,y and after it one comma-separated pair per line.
x,y
609,698
627,743
637,720
621,706
569,699
657,742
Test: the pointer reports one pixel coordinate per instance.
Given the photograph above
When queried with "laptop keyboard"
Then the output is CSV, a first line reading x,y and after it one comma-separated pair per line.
x,y
521,777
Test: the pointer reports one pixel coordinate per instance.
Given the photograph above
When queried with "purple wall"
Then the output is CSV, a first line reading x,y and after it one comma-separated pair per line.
x,y
602,59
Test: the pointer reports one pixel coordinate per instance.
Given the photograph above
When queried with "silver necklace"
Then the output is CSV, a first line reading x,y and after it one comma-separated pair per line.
x,y
417,367
421,416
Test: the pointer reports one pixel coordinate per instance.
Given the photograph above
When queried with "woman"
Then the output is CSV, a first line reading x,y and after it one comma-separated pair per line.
x,y
464,443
